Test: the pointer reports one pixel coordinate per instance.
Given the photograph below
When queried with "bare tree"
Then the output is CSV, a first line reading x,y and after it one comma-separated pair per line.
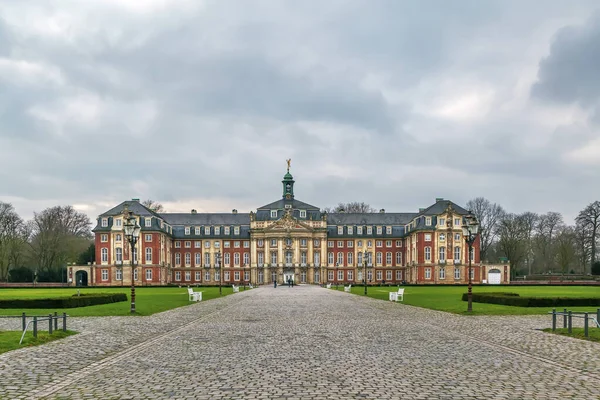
x,y
583,244
565,248
588,223
511,230
489,216
351,207
530,220
153,205
58,235
546,229
11,238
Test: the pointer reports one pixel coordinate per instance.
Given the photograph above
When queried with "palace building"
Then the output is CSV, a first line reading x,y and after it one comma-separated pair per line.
x,y
286,239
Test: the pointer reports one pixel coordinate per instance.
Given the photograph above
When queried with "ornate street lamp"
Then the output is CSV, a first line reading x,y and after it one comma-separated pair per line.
x,y
470,228
218,267
365,255
132,234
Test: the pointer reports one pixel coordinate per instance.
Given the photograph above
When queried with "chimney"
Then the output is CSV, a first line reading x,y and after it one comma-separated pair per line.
x,y
138,200
194,211
234,211
438,199
341,211
382,211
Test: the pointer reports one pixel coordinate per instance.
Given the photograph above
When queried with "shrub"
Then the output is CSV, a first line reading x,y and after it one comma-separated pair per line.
x,y
513,299
596,268
83,300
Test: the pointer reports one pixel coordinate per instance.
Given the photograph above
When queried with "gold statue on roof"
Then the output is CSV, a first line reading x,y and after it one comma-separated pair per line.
x,y
289,161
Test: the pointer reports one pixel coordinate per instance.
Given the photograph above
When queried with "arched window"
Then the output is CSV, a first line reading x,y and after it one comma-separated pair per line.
x,y
236,258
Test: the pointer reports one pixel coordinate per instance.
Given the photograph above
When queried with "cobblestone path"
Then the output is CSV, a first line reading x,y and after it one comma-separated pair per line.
x,y
304,342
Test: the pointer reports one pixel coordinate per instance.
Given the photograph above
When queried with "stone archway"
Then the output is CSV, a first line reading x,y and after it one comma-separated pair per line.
x,y
81,278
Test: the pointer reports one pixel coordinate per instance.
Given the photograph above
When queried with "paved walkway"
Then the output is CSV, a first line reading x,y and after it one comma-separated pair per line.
x,y
304,342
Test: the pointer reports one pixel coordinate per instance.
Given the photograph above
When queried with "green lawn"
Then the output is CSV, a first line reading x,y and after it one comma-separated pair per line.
x,y
448,298
9,340
148,300
593,333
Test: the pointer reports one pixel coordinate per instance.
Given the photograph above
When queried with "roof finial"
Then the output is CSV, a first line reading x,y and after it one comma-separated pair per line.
x,y
289,161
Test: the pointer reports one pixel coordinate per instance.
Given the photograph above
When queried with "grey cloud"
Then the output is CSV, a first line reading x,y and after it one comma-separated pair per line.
x,y
570,73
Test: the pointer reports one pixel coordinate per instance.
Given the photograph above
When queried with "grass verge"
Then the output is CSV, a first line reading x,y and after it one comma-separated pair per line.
x,y
594,333
9,340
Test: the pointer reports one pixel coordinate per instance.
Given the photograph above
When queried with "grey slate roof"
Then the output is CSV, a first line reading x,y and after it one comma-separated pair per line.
x,y
370,218
440,206
135,206
296,204
206,219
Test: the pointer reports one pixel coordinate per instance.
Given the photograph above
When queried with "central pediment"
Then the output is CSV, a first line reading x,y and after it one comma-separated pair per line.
x,y
288,223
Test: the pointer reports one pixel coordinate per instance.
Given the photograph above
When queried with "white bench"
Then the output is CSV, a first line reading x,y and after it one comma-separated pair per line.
x,y
329,286
236,289
347,288
194,296
250,286
397,296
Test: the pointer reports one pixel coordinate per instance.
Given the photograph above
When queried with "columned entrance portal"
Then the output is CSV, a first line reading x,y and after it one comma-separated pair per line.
x,y
288,275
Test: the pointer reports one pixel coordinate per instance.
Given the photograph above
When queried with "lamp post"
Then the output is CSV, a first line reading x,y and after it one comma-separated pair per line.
x,y
470,228
218,267
132,234
365,254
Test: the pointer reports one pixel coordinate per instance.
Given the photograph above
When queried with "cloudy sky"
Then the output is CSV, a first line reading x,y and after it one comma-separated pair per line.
x,y
199,103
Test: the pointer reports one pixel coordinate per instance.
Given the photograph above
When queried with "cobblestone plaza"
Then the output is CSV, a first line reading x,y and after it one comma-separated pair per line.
x,y
304,342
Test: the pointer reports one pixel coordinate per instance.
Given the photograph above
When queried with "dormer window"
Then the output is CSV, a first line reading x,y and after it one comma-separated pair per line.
x,y
442,222
148,222
388,230
217,230
236,230
428,221
379,230
207,230
197,230
288,206
226,230
359,230
349,230
273,213
118,222
104,222
340,230
302,213
187,230
369,230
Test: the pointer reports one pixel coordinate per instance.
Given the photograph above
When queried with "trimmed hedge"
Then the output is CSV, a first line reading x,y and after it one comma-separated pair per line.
x,y
513,299
82,300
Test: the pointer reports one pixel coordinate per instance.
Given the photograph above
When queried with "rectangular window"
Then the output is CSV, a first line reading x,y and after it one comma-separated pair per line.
x,y
330,258
329,275
177,275
388,275
340,244
177,258
457,237
148,238
119,255
226,244
379,243
207,276
104,238
427,273
246,258
317,259
188,259
379,230
197,244
261,258
398,258
340,276
442,254
427,253
104,222
198,259
118,222
118,237
104,253
104,274
148,255
206,244
302,213
148,222
379,258
236,244
340,258
350,243
349,230
350,258
217,276
456,273
217,244
303,242
187,230
359,230
197,276
369,230
273,242
217,230
330,243
369,275
273,213
457,223
303,258
273,258
388,258
177,244
207,260
428,237
119,274
388,230
359,243
236,276
226,230
148,274
188,276
197,230
442,273
428,221
369,243
207,230
226,276
398,243
340,230
379,275
236,259
398,275
188,244
442,222
236,230
388,243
